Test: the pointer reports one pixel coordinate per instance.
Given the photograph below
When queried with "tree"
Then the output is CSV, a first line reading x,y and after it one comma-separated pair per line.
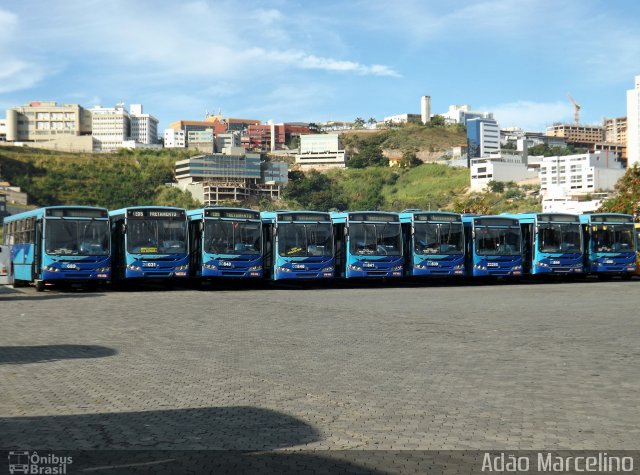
x,y
627,198
315,190
358,123
437,121
372,120
495,186
410,159
173,196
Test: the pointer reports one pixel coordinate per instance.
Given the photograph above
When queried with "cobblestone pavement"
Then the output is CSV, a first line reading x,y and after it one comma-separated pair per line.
x,y
551,366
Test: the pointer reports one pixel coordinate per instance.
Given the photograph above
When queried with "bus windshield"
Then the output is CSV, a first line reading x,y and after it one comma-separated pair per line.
x,y
438,238
559,238
76,237
495,241
381,239
304,240
231,237
613,238
156,236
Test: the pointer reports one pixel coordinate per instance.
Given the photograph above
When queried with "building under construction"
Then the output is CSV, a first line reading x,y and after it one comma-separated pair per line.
x,y
216,178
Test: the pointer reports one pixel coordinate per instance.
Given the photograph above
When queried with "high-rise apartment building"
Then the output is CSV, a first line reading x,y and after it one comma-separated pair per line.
x,y
483,137
144,127
633,124
111,126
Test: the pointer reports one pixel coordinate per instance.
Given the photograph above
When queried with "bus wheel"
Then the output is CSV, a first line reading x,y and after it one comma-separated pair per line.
x,y
39,285
626,276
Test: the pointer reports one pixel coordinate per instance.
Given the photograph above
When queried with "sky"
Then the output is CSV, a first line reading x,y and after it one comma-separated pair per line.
x,y
303,61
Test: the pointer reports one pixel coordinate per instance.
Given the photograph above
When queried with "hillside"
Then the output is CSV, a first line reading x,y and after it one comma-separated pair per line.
x,y
428,142
111,181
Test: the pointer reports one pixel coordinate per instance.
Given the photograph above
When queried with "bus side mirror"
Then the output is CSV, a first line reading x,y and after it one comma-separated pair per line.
x,y
124,229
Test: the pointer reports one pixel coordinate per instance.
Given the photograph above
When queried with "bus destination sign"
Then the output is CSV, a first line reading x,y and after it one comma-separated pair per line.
x,y
558,218
376,217
304,217
611,218
231,213
496,222
442,218
77,213
156,213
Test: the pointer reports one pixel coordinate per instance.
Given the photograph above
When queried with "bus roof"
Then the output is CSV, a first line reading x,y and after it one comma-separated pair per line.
x,y
529,218
41,212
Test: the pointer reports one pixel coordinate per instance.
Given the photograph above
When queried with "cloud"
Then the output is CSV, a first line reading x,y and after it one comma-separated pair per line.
x,y
531,116
18,71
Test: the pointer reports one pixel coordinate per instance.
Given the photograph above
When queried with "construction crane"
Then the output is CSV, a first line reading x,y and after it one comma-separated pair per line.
x,y
576,109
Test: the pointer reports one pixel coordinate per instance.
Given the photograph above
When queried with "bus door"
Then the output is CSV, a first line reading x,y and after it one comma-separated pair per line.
x,y
268,244
339,235
529,238
195,246
37,250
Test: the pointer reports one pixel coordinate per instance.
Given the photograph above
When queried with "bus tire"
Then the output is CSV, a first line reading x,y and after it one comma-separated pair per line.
x,y
39,284
626,276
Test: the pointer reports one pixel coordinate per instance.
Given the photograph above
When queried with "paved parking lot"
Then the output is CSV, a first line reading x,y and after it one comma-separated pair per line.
x,y
551,366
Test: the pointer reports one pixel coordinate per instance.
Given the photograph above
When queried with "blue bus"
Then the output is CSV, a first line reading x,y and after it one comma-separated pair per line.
x,y
433,243
610,245
552,243
59,244
368,244
494,246
225,242
149,242
298,245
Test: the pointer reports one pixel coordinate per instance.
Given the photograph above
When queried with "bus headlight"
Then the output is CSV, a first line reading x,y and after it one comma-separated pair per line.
x,y
479,267
181,268
517,268
420,266
210,266
354,267
101,270
458,267
254,268
284,269
396,268
328,269
51,269
134,268
543,264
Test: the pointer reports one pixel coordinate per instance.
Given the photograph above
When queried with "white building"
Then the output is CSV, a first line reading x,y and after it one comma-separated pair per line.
x,y
503,168
633,124
571,205
580,174
229,140
402,118
110,127
174,138
144,127
321,151
460,114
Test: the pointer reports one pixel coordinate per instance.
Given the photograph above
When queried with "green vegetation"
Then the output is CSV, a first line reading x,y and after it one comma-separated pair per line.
x,y
425,186
112,181
435,137
627,197
546,151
